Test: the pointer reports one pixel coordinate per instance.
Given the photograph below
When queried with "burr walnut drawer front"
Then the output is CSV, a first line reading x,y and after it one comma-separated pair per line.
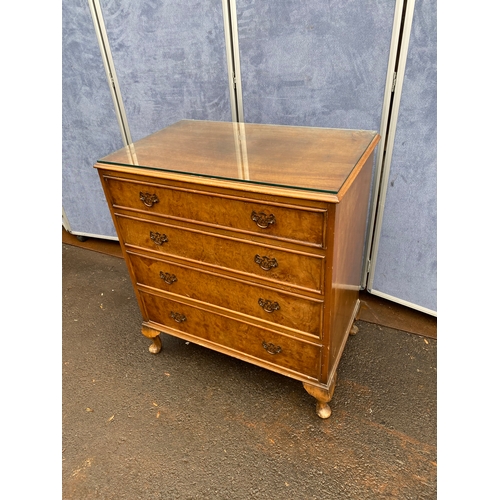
x,y
299,269
265,303
276,220
219,331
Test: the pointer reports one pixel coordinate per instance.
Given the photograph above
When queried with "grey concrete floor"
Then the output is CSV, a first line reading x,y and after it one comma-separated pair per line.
x,y
189,423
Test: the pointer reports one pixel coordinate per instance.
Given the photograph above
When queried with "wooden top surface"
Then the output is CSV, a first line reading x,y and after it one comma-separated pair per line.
x,y
313,159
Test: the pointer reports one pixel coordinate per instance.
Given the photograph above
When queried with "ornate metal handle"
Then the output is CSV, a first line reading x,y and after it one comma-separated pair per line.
x,y
265,262
271,348
268,306
148,199
263,220
158,238
177,317
168,278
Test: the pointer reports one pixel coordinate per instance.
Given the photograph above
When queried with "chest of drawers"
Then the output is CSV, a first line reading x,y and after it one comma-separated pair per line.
x,y
247,239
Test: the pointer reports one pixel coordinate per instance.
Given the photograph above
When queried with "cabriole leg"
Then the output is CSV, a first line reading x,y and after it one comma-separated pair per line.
x,y
323,396
154,335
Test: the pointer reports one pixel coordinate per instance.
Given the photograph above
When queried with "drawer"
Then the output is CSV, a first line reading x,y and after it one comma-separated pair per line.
x,y
269,263
268,304
294,223
218,331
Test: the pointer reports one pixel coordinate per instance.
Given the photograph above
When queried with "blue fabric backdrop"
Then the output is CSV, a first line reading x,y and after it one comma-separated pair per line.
x,y
170,58
89,125
315,62
406,265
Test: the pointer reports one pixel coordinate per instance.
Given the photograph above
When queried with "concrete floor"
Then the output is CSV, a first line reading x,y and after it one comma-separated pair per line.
x,y
190,423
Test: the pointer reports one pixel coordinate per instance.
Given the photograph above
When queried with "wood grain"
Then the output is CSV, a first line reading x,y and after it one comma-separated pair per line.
x,y
301,270
290,222
244,338
258,257
297,313
318,159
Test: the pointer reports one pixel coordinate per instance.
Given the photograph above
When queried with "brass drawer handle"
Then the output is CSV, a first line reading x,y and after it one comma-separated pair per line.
x,y
268,306
158,238
168,278
177,317
265,262
271,348
263,220
148,199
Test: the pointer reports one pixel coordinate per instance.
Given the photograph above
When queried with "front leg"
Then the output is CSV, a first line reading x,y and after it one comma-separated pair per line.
x,y
154,335
323,396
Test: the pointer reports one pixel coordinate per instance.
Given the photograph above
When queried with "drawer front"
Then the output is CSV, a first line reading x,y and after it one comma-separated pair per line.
x,y
264,303
300,224
265,345
298,269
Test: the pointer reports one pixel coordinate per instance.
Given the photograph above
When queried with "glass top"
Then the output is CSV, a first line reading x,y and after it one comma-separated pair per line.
x,y
314,159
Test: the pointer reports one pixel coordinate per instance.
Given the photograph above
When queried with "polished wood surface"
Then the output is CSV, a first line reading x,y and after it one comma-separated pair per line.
x,y
268,274
300,157
348,246
300,223
300,269
373,309
292,311
243,338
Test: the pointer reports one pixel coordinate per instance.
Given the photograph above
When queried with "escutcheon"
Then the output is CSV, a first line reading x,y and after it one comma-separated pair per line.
x,y
158,238
266,263
263,220
268,306
271,348
178,317
168,278
148,199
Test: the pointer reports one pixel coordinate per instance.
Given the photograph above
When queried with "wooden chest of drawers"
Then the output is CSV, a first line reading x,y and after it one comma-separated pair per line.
x,y
247,239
